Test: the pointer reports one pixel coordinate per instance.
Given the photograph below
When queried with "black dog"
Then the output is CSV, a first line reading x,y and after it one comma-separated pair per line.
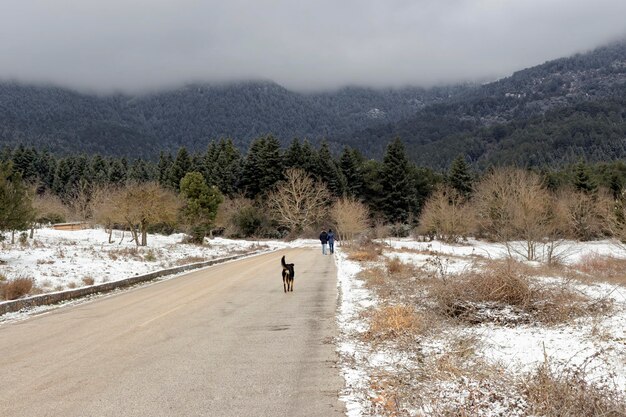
x,y
288,275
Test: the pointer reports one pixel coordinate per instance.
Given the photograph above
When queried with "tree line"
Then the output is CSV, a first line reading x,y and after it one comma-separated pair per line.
x,y
223,190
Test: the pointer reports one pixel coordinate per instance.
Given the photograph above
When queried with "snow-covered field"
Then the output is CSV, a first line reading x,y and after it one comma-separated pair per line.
x,y
389,378
393,378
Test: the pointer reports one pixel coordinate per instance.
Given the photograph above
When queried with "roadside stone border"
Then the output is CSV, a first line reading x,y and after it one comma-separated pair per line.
x,y
57,297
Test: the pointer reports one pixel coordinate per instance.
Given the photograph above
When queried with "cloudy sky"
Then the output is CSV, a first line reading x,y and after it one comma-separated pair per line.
x,y
137,45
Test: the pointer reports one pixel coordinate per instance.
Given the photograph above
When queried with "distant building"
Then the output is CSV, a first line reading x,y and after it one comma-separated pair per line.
x,y
70,226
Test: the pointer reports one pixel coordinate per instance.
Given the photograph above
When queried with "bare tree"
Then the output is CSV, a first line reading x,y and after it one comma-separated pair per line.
x,y
446,215
351,217
104,207
142,205
512,204
298,202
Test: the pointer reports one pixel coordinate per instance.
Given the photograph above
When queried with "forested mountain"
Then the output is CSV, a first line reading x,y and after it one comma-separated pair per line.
x,y
65,121
551,113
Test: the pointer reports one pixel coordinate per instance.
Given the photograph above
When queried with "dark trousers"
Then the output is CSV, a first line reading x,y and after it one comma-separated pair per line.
x,y
331,246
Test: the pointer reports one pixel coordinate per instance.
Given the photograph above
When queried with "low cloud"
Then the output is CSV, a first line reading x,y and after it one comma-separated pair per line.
x,y
140,45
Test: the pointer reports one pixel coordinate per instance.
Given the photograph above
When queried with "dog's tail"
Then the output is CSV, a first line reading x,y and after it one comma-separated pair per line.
x,y
282,262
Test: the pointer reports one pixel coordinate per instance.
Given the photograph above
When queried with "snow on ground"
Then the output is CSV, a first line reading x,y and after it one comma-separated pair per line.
x,y
57,260
596,344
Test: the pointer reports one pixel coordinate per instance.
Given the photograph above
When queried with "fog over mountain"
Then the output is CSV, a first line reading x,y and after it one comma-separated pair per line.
x,y
144,45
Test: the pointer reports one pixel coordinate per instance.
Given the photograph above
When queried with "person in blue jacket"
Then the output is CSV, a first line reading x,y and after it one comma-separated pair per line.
x,y
331,240
324,240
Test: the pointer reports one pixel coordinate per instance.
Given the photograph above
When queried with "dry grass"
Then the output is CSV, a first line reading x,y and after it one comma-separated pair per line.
x,y
367,251
131,253
88,280
373,277
15,288
503,292
566,393
189,260
394,322
603,268
72,285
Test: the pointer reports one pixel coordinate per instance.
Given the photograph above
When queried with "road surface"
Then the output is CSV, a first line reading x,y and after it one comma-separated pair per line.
x,y
224,341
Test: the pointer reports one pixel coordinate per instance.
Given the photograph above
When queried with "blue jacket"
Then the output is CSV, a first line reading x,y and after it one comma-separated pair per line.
x,y
331,237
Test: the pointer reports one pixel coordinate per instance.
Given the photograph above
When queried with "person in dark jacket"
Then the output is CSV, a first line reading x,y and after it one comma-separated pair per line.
x,y
324,240
331,241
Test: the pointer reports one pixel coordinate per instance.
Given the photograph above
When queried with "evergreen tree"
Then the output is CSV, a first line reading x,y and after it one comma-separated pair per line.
x,y
99,170
582,180
179,168
16,210
262,168
459,177
310,159
201,204
294,157
329,173
117,172
397,188
165,164
227,167
350,165
139,171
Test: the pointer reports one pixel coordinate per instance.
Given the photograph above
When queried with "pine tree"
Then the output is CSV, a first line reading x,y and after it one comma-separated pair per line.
x,y
117,173
227,167
350,165
329,173
179,168
201,204
165,164
582,179
396,184
460,177
262,168
99,170
16,210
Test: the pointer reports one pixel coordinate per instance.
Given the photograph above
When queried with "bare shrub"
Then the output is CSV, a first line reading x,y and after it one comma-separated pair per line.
x,y
566,393
351,218
373,277
88,280
49,209
588,216
446,216
502,292
512,204
72,285
16,288
393,322
189,260
368,251
603,268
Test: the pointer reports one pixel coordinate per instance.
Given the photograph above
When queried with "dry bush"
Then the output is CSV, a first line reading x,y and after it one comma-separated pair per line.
x,y
50,209
602,268
587,216
15,288
189,260
367,252
566,393
446,216
351,218
398,269
72,285
88,280
393,322
503,292
373,277
512,204
131,253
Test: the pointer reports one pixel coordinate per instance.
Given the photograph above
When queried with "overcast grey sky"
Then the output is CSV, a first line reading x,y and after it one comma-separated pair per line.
x,y
134,45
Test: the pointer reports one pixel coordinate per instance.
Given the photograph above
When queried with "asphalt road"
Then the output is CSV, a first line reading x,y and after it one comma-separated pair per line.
x,y
224,341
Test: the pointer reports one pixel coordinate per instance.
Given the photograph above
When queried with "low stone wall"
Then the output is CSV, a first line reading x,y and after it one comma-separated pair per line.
x,y
57,297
